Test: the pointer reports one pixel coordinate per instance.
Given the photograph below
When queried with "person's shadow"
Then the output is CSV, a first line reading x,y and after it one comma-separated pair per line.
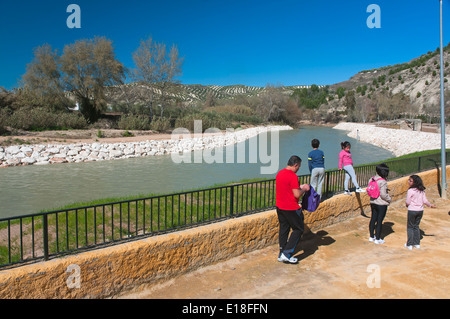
x,y
311,242
387,229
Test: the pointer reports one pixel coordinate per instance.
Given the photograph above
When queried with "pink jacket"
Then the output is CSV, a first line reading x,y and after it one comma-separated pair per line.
x,y
415,200
345,158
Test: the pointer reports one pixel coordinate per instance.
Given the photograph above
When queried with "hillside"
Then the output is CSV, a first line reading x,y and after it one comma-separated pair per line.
x,y
189,93
406,89
416,82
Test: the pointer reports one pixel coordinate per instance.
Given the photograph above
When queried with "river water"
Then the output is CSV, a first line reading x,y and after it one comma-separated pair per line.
x,y
31,189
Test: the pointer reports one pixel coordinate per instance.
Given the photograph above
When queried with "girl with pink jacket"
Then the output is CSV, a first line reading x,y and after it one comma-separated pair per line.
x,y
346,163
415,199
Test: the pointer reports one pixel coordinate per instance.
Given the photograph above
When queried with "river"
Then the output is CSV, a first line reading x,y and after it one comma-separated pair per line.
x,y
31,189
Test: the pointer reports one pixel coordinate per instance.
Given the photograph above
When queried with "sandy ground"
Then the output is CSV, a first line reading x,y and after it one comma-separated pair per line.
x,y
335,262
80,137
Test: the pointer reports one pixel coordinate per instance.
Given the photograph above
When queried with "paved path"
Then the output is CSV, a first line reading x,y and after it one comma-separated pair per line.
x,y
335,262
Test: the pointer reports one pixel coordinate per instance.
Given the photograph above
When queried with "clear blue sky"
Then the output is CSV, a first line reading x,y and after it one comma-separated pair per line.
x,y
225,42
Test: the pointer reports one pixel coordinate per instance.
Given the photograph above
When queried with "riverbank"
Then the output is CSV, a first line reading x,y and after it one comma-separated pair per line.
x,y
123,147
397,141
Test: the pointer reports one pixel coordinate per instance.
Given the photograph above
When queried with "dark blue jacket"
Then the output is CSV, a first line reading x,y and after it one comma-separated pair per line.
x,y
316,158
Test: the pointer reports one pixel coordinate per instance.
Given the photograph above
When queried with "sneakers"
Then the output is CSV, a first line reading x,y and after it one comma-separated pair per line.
x,y
371,239
379,241
410,247
284,259
358,190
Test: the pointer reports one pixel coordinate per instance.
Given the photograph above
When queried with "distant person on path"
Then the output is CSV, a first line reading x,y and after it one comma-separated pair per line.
x,y
380,204
289,212
316,164
346,163
415,199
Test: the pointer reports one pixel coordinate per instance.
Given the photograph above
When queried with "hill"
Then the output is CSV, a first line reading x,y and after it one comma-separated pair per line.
x,y
409,89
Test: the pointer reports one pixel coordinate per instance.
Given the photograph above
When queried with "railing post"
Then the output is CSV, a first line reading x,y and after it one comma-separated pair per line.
x,y
232,201
45,233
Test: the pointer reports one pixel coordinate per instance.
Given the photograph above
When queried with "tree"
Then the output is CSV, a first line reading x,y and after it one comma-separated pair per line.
x,y
84,70
89,66
42,81
157,70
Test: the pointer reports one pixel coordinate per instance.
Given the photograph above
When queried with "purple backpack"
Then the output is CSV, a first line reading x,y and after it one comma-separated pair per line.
x,y
310,200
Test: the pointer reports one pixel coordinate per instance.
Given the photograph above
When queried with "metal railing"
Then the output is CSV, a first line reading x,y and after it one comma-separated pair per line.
x,y
42,236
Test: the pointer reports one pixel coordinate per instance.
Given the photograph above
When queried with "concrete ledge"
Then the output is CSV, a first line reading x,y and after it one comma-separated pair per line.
x,y
109,271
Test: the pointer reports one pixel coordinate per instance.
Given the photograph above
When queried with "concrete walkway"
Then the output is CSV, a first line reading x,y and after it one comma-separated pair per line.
x,y
335,262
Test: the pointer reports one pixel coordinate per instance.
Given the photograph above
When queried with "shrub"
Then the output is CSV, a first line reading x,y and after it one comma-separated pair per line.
x,y
40,119
134,122
160,125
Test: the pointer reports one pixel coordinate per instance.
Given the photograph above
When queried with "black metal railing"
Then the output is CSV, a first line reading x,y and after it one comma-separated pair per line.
x,y
41,236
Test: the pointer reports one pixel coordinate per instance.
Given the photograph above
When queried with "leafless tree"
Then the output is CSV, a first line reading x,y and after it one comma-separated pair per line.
x,y
158,70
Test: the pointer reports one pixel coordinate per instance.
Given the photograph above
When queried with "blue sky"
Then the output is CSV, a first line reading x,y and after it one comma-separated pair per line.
x,y
227,42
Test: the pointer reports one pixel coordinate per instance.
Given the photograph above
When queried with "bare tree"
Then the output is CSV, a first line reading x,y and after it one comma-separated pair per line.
x,y
157,70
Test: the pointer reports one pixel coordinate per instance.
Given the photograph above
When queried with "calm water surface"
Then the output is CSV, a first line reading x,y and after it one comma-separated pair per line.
x,y
30,189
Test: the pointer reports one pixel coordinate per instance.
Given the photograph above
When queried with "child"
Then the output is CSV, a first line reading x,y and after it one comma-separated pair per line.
x,y
346,163
415,199
379,205
316,164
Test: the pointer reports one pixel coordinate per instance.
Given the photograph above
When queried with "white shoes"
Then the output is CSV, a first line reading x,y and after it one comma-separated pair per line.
x,y
376,241
410,247
358,190
284,259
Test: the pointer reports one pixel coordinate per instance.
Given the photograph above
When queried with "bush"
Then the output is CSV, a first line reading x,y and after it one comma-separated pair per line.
x,y
134,122
209,120
160,125
41,119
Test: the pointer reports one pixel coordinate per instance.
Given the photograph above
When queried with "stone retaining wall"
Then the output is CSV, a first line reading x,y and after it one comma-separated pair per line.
x,y
109,271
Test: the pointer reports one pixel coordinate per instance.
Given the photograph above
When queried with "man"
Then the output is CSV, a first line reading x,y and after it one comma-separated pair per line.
x,y
290,215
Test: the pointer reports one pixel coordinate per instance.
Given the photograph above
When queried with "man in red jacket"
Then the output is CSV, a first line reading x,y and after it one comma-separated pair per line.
x,y
290,215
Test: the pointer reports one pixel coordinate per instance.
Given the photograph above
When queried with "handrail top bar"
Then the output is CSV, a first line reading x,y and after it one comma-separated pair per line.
x,y
185,192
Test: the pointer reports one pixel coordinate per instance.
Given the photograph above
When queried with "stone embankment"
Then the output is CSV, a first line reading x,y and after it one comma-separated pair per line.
x,y
397,141
73,153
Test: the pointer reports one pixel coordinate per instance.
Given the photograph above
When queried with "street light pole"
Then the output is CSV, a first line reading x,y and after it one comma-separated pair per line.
x,y
443,145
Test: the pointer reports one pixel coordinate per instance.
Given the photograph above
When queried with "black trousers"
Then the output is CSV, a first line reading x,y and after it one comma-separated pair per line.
x,y
376,220
412,227
290,219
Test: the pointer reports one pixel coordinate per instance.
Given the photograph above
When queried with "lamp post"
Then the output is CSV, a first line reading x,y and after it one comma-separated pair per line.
x,y
443,146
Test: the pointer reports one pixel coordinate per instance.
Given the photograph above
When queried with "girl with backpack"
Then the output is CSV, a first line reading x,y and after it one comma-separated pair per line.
x,y
415,199
379,202
346,163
